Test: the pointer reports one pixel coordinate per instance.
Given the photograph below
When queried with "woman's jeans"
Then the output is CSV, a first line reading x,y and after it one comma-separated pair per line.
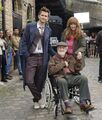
x,y
8,64
18,62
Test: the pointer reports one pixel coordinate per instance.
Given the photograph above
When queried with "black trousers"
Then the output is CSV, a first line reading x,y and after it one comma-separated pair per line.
x,y
0,62
100,67
34,75
3,70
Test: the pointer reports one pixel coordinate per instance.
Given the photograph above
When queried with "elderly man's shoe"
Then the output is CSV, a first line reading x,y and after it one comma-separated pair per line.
x,y
8,77
86,107
68,110
100,80
4,80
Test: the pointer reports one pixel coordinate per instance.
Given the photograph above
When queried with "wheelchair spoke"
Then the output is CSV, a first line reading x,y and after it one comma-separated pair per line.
x,y
49,95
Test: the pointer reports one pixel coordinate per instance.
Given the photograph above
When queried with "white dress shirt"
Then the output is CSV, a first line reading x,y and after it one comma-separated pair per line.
x,y
39,48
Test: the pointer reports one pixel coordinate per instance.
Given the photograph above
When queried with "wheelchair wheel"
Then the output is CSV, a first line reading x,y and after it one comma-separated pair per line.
x,y
58,108
48,95
56,111
76,99
76,95
59,105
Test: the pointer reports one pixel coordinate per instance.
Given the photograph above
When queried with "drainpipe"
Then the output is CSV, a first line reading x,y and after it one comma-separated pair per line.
x,y
3,15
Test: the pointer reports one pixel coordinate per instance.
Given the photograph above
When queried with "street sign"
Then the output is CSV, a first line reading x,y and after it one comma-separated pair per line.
x,y
53,41
82,17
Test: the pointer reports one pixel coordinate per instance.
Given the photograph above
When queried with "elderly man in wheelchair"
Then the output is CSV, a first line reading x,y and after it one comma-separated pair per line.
x,y
66,70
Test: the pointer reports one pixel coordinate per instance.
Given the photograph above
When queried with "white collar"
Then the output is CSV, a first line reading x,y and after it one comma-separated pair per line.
x,y
38,25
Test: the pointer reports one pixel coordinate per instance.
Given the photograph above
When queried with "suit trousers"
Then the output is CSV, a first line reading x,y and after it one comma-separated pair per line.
x,y
71,81
34,75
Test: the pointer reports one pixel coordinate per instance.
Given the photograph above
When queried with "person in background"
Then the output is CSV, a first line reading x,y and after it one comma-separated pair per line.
x,y
9,52
66,71
3,61
75,38
1,45
1,53
99,47
92,44
35,47
87,39
15,42
22,58
21,55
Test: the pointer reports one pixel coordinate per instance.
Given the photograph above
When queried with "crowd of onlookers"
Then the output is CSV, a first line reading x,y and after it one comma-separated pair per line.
x,y
9,53
91,48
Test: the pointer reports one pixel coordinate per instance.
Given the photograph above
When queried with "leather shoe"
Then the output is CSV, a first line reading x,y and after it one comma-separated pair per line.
x,y
9,78
86,107
68,110
100,80
4,80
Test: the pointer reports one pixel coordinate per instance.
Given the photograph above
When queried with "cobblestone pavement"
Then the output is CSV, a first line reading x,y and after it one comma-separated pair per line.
x,y
16,104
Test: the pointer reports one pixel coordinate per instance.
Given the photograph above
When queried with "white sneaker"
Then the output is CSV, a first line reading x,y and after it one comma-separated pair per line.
x,y
42,103
42,106
36,105
1,83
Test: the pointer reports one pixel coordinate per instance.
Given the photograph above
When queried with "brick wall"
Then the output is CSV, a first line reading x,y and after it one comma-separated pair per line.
x,y
0,17
24,11
8,15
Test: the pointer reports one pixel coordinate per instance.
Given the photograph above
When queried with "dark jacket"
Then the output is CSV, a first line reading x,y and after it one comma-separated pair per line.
x,y
29,36
99,42
57,65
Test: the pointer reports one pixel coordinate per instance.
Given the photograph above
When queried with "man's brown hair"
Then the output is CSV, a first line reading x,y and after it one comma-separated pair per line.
x,y
45,9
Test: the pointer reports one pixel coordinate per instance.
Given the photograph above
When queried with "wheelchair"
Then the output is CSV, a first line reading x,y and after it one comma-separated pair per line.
x,y
53,96
54,100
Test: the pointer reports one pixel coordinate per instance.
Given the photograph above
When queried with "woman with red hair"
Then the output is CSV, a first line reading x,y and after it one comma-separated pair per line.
x,y
74,37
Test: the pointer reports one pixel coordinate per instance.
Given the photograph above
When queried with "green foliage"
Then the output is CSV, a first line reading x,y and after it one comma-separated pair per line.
x,y
1,8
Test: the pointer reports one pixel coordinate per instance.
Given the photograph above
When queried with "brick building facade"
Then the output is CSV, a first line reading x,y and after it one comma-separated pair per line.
x,y
0,15
17,13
